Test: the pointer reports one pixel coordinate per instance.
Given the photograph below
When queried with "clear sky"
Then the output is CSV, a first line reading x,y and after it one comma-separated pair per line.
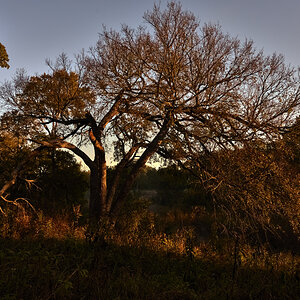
x,y
33,30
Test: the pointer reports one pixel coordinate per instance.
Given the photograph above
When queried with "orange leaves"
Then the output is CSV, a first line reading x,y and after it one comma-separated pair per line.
x,y
57,95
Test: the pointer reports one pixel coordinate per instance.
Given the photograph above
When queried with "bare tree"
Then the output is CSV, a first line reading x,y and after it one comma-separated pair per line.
x,y
171,87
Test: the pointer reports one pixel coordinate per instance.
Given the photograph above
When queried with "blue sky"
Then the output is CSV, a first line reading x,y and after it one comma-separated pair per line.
x,y
33,30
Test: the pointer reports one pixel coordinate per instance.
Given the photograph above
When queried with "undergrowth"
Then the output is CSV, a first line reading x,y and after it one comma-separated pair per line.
x,y
139,256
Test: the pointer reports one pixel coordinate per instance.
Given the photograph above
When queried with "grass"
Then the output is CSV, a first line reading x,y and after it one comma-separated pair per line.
x,y
59,258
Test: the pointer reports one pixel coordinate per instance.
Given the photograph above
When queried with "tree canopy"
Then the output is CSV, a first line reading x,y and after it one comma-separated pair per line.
x,y
172,88
3,57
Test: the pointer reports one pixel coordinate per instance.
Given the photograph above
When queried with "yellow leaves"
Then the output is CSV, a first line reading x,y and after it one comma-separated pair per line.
x,y
9,144
55,95
3,57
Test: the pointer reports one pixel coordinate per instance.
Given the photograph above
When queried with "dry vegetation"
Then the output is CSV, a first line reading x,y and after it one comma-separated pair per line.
x,y
44,257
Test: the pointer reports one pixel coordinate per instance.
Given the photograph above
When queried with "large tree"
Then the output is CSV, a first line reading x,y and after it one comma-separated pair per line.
x,y
172,88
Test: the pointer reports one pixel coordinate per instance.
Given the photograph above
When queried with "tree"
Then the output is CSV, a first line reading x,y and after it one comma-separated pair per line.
x,y
3,57
57,188
51,180
14,155
175,89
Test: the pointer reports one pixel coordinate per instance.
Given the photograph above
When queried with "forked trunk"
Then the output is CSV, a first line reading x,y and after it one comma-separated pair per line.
x,y
103,203
98,185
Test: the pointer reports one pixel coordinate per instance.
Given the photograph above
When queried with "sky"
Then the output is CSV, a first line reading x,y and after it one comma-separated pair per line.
x,y
33,30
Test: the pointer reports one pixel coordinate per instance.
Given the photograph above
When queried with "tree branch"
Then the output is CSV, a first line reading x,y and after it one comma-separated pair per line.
x,y
16,172
63,144
117,176
112,112
149,151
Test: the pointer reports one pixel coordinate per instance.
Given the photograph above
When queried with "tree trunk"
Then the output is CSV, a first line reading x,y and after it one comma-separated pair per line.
x,y
98,187
95,196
